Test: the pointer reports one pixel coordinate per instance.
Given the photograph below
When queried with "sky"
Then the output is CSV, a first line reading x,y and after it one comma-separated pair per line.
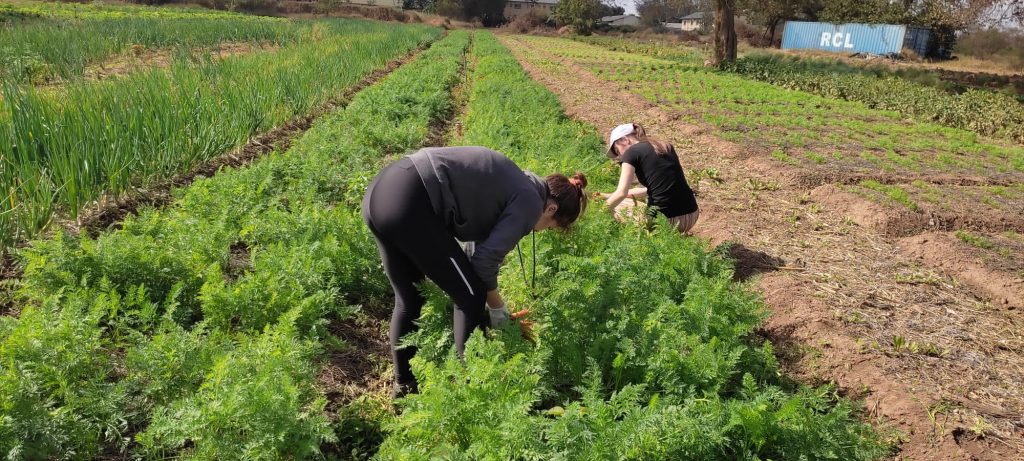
x,y
628,5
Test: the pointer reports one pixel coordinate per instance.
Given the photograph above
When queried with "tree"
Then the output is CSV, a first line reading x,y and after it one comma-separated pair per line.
x,y
581,15
410,4
448,8
957,15
655,12
772,13
611,10
489,12
725,32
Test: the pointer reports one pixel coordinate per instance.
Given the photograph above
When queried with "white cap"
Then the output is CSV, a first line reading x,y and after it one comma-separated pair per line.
x,y
618,133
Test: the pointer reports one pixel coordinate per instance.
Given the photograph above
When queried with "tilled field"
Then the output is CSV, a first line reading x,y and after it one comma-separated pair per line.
x,y
873,273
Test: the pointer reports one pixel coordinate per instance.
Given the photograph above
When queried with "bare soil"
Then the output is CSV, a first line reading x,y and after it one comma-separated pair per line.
x,y
364,369
810,177
362,365
942,250
874,211
939,369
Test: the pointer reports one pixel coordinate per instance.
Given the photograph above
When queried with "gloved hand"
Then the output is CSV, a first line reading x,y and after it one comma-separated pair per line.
x,y
499,315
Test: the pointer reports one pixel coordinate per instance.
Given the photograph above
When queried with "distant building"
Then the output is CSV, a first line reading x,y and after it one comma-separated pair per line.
x,y
386,3
696,21
515,8
622,20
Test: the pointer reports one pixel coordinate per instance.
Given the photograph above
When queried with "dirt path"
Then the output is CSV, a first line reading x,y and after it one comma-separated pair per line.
x,y
930,360
363,370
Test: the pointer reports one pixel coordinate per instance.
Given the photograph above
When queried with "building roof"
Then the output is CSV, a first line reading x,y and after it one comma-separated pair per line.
x,y
542,2
696,16
618,17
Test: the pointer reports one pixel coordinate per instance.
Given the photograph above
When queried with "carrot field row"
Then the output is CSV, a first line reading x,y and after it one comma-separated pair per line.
x,y
645,347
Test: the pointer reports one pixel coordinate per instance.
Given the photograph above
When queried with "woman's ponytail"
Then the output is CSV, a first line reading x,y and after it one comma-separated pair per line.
x,y
661,147
570,196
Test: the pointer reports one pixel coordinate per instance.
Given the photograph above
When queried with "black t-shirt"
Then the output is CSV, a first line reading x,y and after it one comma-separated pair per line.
x,y
666,184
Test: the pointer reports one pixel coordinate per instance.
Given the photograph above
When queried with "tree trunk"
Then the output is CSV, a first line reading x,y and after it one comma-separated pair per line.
x,y
725,32
771,35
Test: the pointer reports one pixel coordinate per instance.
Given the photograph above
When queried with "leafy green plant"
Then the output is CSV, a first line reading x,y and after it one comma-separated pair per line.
x,y
209,312
115,135
975,240
643,347
981,111
56,393
893,192
257,402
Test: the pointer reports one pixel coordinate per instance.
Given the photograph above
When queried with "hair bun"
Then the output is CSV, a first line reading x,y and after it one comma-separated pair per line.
x,y
579,180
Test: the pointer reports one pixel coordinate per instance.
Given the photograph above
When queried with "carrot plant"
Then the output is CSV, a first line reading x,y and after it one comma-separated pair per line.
x,y
645,345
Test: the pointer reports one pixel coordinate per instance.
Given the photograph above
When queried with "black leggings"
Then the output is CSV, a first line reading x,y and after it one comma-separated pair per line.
x,y
414,242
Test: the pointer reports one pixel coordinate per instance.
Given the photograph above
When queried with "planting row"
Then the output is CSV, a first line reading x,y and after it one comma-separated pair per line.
x,y
644,344
66,150
197,331
61,41
981,111
798,128
654,48
918,94
30,10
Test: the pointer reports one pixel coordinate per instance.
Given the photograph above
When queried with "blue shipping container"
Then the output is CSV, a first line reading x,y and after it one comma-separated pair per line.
x,y
844,38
